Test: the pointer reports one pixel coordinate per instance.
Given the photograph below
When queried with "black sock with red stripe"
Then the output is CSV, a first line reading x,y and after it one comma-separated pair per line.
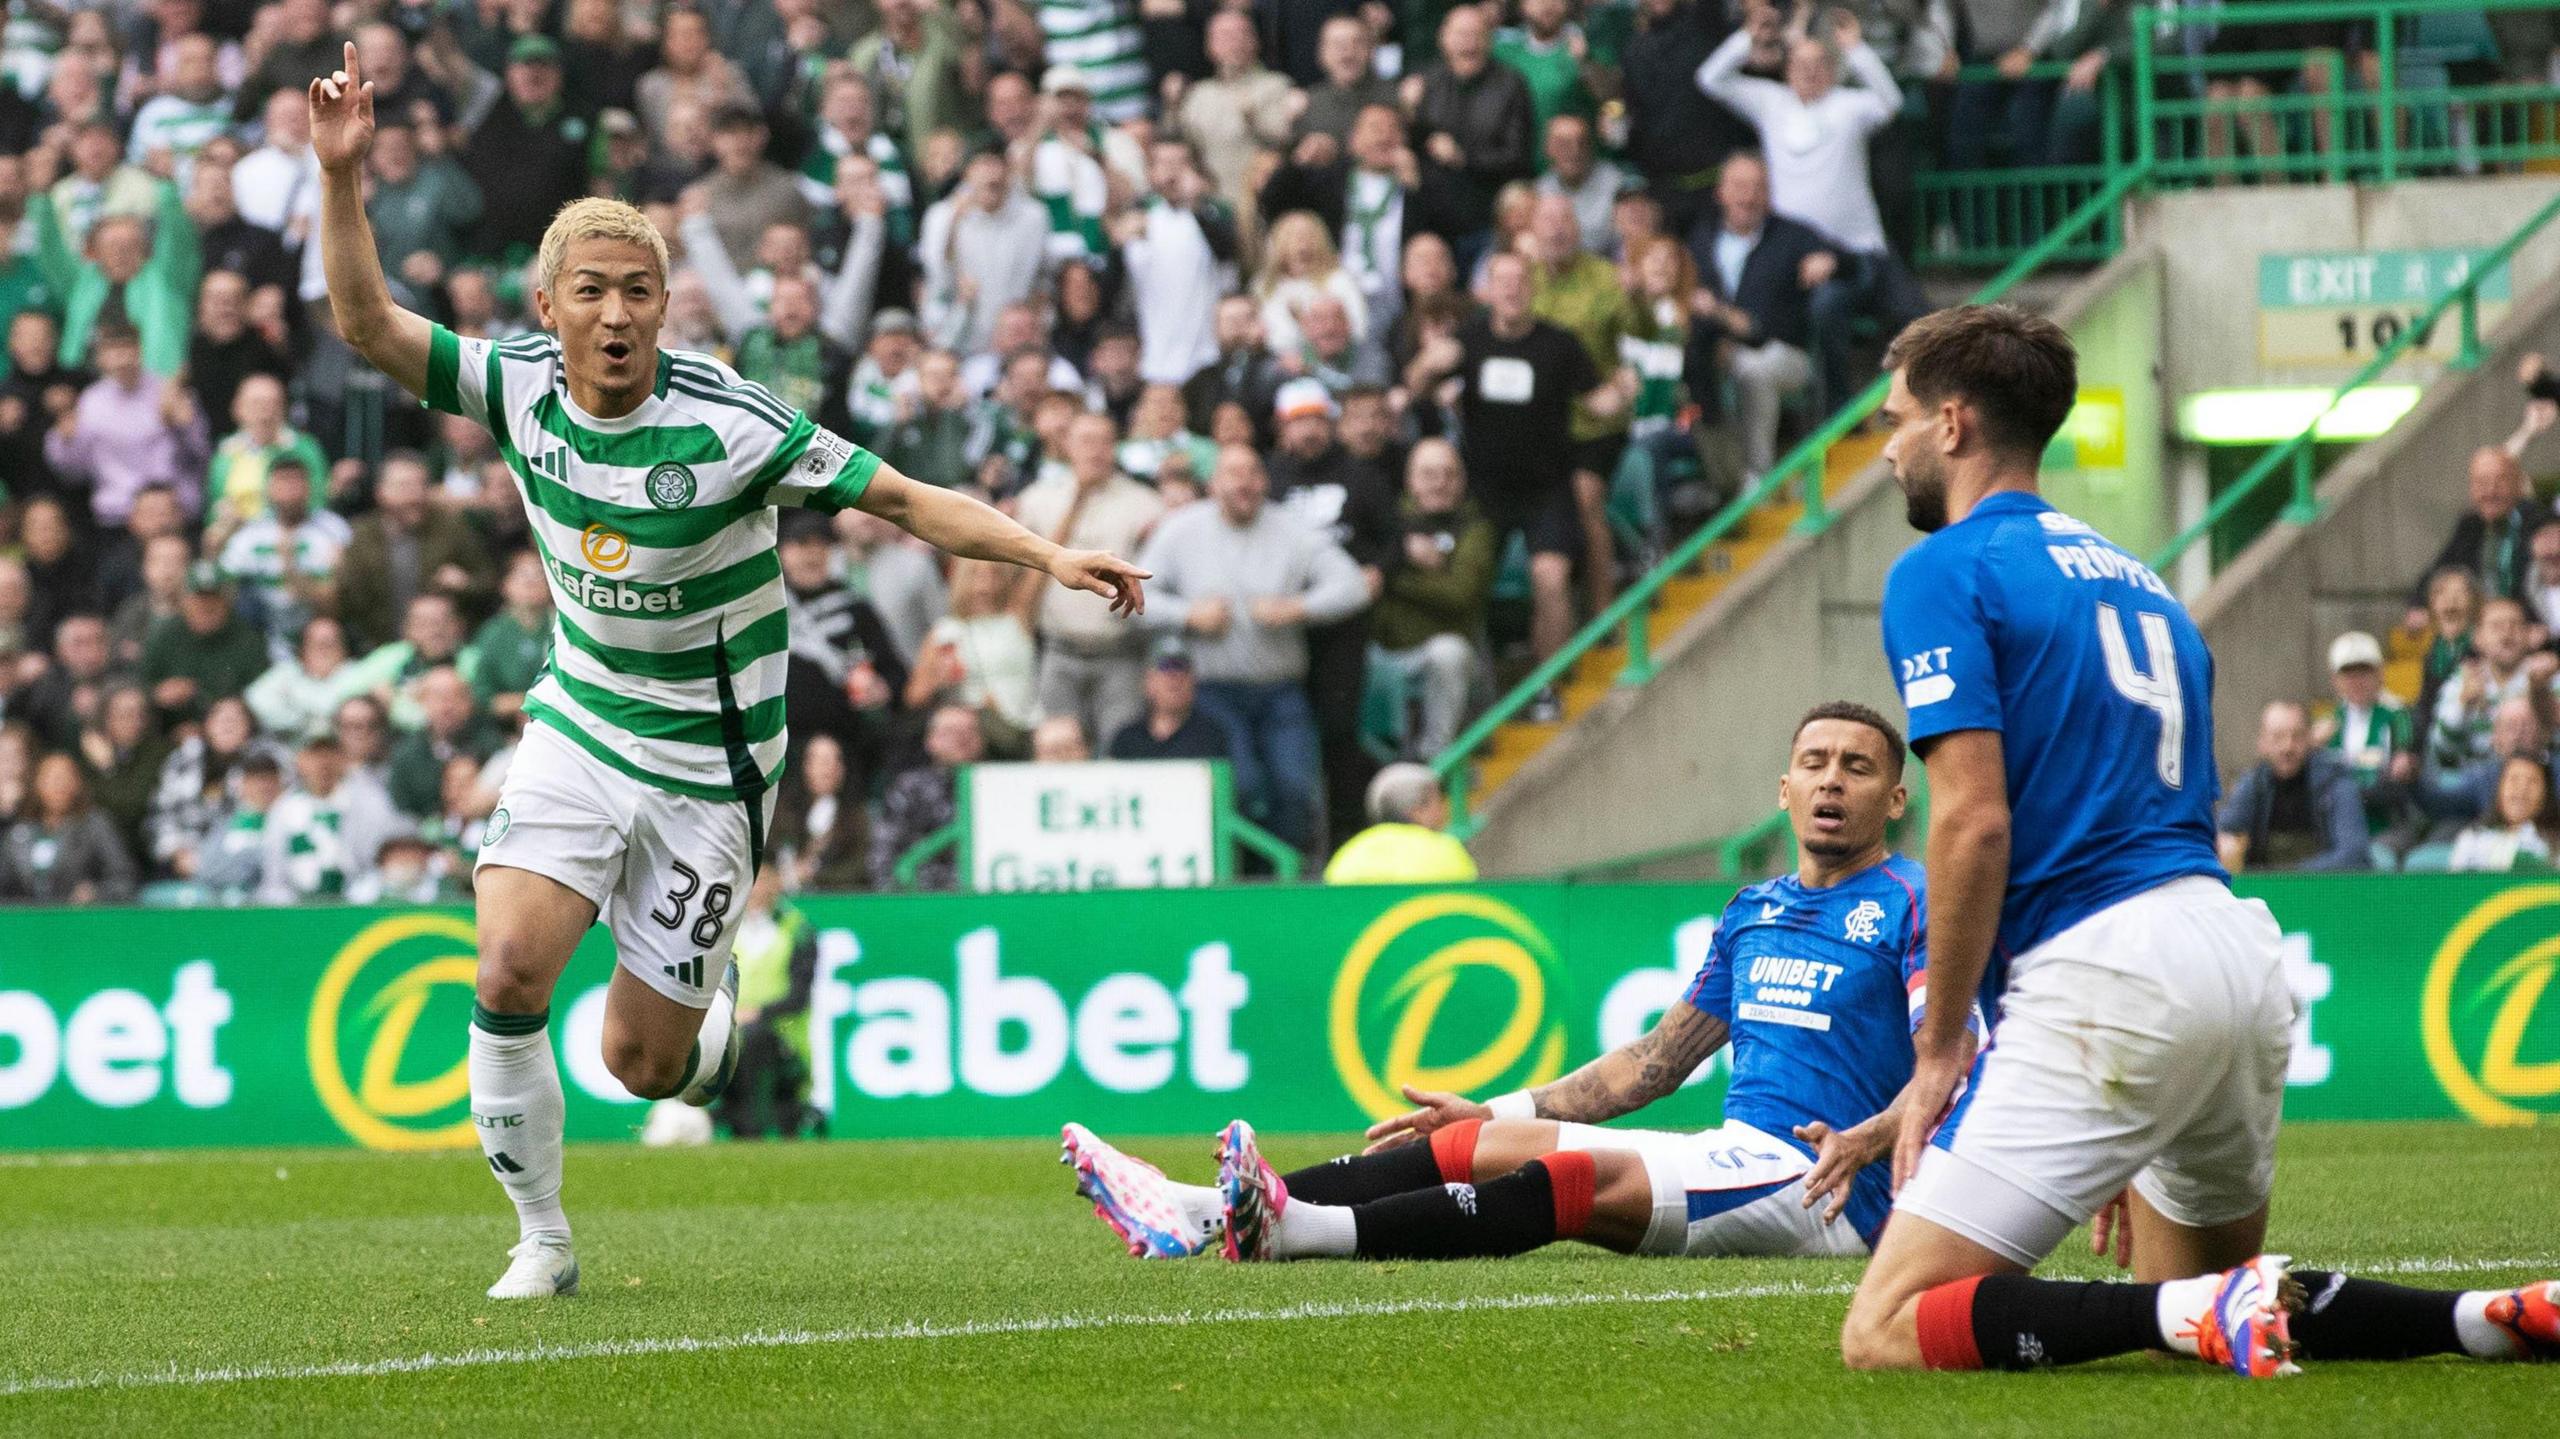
x,y
2010,1321
1360,1178
1535,1205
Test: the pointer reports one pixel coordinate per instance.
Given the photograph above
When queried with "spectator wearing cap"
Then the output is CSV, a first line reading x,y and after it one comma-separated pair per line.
x,y
1176,245
982,250
328,831
421,208
1405,842
1430,617
1241,110
1576,173
1315,479
2298,808
883,387
1474,117
1243,580
412,543
287,554
130,430
208,651
2493,539
529,153
2371,728
1092,659
1174,726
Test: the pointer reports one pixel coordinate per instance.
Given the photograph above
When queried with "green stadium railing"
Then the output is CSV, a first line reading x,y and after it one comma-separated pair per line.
x,y
2295,457
2412,118
1630,615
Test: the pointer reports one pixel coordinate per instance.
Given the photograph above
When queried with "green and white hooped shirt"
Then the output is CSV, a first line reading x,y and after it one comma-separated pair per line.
x,y
656,531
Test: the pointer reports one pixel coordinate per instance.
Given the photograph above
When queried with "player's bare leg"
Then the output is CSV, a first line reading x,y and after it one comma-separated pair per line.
x,y
529,924
1913,1258
660,1049
2164,1249
1449,1199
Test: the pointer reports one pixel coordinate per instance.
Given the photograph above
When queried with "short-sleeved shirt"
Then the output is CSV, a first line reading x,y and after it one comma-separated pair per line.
x,y
656,532
1821,989
2022,620
1516,416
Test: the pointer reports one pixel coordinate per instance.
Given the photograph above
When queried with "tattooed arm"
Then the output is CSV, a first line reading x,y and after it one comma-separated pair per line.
x,y
1622,1081
1636,1073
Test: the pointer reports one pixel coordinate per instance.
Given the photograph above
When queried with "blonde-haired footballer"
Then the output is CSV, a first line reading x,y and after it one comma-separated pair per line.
x,y
650,479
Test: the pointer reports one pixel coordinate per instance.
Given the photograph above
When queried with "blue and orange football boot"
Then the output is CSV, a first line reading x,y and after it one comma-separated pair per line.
x,y
2248,1329
2532,1315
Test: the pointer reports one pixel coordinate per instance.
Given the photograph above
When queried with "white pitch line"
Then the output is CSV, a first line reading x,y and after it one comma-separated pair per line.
x,y
998,1328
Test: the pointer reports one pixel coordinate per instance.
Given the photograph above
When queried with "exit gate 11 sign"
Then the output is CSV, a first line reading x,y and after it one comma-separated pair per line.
x,y
2337,309
1103,824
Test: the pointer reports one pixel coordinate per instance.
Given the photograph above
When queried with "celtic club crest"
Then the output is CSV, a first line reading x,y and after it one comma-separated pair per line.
x,y
671,486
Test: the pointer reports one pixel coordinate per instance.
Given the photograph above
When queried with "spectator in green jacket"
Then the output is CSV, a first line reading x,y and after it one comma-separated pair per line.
x,y
508,654
453,725
208,651
151,273
422,207
1430,617
2371,729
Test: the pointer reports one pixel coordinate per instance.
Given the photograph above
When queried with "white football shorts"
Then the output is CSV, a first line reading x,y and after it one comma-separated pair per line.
x,y
2145,1044
666,872
1731,1192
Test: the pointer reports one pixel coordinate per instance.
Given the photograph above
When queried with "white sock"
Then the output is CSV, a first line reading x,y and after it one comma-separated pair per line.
x,y
516,1106
719,1031
2180,1302
2480,1338
1204,1209
1315,1231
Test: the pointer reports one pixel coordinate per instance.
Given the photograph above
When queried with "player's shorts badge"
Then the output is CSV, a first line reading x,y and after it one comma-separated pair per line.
x,y
496,829
671,486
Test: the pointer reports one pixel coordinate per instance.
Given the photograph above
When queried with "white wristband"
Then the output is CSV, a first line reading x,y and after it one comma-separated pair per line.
x,y
1515,1105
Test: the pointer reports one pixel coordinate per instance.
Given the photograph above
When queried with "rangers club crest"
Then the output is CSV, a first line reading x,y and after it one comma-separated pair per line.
x,y
671,486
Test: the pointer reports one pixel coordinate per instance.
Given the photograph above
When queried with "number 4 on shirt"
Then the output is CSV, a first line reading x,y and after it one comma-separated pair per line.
x,y
2156,691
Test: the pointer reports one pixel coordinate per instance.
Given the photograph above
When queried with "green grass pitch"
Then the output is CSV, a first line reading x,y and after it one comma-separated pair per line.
x,y
961,1288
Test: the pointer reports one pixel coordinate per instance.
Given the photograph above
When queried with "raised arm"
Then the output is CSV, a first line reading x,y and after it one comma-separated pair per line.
x,y
972,529
395,340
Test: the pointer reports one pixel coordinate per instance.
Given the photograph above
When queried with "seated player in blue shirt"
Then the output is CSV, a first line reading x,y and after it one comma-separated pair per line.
x,y
1811,977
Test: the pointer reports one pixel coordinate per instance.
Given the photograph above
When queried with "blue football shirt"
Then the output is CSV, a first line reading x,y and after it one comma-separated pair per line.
x,y
2021,619
1821,989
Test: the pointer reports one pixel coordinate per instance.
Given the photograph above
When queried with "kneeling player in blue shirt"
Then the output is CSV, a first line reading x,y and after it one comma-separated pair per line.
x,y
1812,977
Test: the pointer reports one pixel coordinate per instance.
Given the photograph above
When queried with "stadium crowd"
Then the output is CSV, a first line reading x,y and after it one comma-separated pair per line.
x,y
1385,334
2461,777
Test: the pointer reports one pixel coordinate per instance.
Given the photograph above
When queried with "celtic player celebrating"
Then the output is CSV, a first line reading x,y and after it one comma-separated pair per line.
x,y
649,478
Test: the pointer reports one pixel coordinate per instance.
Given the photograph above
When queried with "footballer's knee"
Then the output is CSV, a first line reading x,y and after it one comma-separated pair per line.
x,y
648,1072
513,976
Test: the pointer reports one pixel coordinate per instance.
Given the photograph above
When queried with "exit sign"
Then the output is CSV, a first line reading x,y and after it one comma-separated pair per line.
x,y
2336,309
